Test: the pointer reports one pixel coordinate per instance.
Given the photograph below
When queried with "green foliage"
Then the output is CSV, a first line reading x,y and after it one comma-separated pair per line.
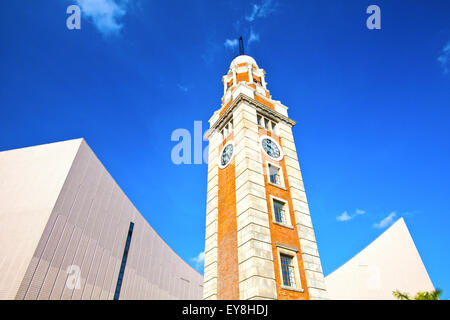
x,y
401,296
423,295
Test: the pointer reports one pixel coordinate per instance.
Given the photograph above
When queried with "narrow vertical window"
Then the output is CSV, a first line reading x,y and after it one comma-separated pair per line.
x,y
274,175
124,261
267,124
278,208
287,270
274,127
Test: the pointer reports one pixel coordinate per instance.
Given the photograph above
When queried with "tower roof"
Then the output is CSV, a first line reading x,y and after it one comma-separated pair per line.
x,y
243,59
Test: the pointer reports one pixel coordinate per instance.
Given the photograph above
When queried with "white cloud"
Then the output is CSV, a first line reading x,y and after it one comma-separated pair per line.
x,y
386,221
231,43
359,211
262,10
199,260
254,37
252,16
267,7
105,14
444,58
344,217
259,10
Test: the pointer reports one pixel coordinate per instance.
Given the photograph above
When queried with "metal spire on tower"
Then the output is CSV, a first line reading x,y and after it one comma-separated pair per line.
x,y
241,46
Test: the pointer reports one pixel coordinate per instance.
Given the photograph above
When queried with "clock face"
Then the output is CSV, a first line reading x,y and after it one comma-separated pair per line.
x,y
271,148
227,154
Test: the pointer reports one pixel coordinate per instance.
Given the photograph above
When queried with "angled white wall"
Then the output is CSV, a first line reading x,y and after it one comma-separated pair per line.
x,y
389,263
59,207
30,182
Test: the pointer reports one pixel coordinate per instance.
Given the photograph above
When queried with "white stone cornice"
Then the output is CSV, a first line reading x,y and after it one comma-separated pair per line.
x,y
261,108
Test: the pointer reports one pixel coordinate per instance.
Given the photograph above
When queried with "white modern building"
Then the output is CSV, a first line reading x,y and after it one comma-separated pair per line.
x,y
69,232
389,263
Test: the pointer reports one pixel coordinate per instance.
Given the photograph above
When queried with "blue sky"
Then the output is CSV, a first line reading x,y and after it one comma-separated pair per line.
x,y
372,106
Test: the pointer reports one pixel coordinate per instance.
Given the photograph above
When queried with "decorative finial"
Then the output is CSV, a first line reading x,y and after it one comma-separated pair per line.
x,y
241,46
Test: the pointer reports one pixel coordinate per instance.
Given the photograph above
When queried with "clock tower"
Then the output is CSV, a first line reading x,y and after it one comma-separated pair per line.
x,y
259,239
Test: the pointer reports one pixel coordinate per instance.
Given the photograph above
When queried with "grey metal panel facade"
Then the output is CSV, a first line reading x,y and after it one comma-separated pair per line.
x,y
88,228
31,180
